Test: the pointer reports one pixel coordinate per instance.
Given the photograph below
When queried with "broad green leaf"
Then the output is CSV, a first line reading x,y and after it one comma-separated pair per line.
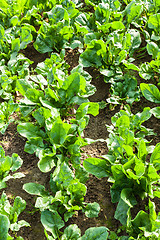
x,y
35,189
150,92
122,212
156,112
34,95
64,176
72,232
87,108
128,197
152,49
16,162
130,66
154,21
141,220
95,233
25,36
92,56
133,11
77,190
52,222
46,163
140,166
135,38
15,45
155,157
29,130
92,210
117,25
34,144
152,173
4,227
123,122
18,206
5,164
59,132
71,87
128,149
22,86
96,166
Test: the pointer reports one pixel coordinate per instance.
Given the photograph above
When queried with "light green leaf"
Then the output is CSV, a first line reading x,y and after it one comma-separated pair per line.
x,y
92,210
150,92
35,189
155,157
152,49
96,166
95,233
156,112
4,227
72,232
52,222
59,132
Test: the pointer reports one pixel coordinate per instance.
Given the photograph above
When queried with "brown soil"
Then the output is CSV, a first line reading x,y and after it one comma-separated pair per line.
x,y
98,190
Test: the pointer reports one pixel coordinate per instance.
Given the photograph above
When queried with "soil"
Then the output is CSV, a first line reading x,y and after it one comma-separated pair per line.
x,y
98,190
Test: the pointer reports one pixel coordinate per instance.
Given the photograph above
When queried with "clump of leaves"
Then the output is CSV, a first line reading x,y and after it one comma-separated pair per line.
x,y
9,216
7,165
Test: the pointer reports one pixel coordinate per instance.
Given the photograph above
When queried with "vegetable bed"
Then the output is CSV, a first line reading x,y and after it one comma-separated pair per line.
x,y
79,120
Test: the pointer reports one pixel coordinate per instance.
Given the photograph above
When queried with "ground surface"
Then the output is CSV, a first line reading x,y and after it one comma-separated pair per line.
x,y
97,189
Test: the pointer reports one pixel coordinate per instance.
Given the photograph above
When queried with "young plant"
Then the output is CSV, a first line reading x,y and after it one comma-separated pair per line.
x,y
9,217
7,165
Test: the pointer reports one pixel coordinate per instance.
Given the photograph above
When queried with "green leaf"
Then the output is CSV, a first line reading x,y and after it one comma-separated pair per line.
x,y
15,45
130,66
95,233
22,86
46,162
34,95
64,176
17,225
150,92
128,197
117,25
72,232
52,222
35,189
18,206
155,157
87,108
71,87
34,144
152,49
59,132
92,56
141,220
16,162
154,21
156,112
96,166
122,212
92,210
4,227
28,130
142,151
77,190
25,36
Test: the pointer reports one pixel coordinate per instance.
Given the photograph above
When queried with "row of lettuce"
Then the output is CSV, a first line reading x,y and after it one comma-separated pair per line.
x,y
54,110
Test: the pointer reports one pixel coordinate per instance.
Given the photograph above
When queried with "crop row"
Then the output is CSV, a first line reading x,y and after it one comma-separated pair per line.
x,y
53,107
